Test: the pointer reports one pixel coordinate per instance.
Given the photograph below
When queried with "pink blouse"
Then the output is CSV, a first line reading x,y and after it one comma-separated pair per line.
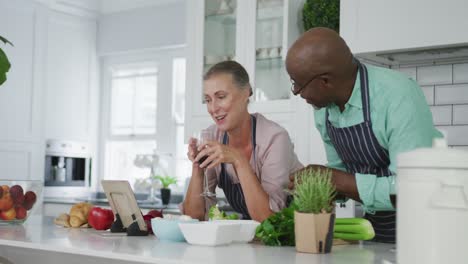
x,y
274,161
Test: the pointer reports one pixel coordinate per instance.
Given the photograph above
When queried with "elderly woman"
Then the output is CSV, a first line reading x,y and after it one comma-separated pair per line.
x,y
251,158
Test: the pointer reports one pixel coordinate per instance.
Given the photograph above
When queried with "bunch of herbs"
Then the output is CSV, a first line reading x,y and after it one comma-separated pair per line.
x,y
313,191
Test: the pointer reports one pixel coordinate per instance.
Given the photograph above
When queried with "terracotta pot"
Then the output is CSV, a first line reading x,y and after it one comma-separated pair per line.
x,y
314,232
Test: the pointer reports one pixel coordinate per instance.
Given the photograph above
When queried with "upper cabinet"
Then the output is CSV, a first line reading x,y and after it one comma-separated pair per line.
x,y
381,25
256,34
71,78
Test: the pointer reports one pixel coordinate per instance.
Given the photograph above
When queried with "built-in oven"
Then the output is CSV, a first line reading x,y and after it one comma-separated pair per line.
x,y
67,168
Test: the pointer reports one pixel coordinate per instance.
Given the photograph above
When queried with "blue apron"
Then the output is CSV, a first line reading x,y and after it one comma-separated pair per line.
x,y
233,192
360,152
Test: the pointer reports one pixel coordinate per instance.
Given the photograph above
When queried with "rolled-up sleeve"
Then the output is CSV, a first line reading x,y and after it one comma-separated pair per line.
x,y
279,161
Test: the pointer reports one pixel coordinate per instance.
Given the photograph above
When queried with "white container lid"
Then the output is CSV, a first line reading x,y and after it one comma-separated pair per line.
x,y
439,156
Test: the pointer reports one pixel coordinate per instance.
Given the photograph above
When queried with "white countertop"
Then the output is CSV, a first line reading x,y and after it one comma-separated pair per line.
x,y
40,233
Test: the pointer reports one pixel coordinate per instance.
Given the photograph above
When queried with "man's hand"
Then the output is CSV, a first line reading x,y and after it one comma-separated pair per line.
x,y
292,177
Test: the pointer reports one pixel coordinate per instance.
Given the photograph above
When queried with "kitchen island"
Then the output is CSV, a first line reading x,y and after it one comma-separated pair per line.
x,y
40,241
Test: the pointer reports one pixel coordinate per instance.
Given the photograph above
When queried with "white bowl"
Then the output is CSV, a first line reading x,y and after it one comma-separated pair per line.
x,y
210,233
247,229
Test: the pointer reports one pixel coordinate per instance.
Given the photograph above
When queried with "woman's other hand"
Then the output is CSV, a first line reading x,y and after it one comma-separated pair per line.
x,y
192,149
218,153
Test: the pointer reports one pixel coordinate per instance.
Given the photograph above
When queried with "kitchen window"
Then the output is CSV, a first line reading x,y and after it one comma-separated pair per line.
x,y
144,107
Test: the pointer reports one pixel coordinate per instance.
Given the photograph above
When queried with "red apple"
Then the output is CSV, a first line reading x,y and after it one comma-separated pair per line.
x,y
5,188
155,213
17,194
9,214
20,212
100,218
29,200
6,202
1,192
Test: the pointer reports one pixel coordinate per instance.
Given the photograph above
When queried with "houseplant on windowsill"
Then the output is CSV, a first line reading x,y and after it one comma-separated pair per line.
x,y
314,218
4,63
166,181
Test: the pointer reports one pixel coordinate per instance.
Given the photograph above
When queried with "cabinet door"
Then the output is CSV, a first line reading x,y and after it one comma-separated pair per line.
x,y
271,79
71,93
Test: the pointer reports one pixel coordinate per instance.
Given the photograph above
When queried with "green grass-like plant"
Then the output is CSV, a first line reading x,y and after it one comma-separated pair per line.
x,y
321,13
166,181
314,192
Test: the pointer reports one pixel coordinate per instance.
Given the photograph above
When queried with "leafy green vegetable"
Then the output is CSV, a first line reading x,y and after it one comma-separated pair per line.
x,y
215,214
278,229
353,229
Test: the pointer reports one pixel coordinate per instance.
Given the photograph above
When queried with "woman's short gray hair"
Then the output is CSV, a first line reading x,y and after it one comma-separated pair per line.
x,y
235,69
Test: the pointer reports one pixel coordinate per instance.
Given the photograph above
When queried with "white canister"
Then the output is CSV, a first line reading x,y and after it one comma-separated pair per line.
x,y
432,205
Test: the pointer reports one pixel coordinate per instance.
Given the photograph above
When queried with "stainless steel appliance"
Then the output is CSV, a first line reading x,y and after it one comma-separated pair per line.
x,y
67,164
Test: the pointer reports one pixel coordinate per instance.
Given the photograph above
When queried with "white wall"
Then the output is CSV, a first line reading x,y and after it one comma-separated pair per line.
x,y
143,28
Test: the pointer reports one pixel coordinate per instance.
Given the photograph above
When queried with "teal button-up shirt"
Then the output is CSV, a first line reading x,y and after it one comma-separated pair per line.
x,y
401,121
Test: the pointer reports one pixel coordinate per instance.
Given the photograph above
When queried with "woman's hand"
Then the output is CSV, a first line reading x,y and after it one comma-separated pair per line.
x,y
192,150
218,153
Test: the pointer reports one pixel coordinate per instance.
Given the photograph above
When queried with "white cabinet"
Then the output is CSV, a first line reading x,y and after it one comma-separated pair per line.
x,y
21,146
256,34
381,25
71,91
51,89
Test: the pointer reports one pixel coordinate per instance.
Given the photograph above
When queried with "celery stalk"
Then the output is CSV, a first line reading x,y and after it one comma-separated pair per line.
x,y
353,229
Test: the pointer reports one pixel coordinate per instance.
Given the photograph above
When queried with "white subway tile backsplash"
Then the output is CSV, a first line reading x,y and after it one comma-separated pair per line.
x,y
411,72
442,115
460,115
428,93
451,94
460,73
456,135
430,75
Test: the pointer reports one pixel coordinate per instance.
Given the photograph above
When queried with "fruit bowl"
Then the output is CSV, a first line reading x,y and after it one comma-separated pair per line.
x,y
18,200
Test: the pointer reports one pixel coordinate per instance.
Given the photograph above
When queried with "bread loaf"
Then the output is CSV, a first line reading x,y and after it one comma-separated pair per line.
x,y
79,214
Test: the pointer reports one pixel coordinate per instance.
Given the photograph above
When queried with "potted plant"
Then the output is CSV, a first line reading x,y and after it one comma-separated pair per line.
x,y
321,13
4,63
314,217
166,181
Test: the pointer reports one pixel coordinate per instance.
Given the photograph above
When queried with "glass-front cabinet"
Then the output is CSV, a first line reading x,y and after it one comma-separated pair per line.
x,y
271,79
255,33
219,41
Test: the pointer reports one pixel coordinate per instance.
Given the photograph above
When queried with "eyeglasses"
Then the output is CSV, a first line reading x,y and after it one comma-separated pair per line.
x,y
295,89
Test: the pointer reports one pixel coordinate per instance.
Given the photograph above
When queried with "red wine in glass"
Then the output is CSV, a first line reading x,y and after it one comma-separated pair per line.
x,y
202,159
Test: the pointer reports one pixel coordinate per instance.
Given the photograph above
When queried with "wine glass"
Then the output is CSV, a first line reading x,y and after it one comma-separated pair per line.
x,y
202,137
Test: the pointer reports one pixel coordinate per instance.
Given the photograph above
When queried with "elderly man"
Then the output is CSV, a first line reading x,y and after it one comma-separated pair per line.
x,y
366,116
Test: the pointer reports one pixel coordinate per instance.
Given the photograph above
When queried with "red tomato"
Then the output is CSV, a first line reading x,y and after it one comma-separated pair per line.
x,y
100,218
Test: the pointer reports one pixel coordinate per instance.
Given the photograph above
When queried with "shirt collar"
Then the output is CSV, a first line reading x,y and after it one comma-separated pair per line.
x,y
356,99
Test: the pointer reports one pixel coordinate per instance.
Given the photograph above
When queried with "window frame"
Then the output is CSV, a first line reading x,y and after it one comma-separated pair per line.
x,y
165,124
